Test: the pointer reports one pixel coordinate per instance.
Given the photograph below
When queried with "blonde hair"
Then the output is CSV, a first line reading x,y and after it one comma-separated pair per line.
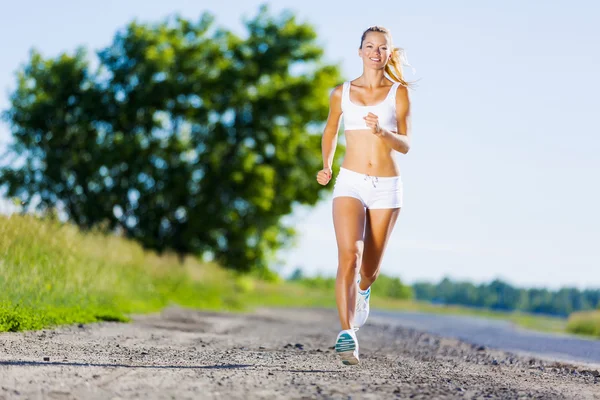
x,y
394,65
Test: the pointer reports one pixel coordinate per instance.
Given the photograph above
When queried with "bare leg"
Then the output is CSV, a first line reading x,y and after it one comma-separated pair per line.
x,y
349,224
379,226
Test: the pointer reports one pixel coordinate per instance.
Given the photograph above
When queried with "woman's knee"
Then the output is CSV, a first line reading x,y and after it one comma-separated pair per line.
x,y
370,276
370,265
350,257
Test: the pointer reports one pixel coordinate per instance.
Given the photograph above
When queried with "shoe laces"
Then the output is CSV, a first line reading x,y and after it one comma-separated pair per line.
x,y
362,303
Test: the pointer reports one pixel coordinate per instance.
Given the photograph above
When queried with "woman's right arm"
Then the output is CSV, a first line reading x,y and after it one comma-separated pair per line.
x,y
330,135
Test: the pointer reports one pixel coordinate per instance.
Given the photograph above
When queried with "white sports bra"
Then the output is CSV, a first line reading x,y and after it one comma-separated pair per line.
x,y
386,111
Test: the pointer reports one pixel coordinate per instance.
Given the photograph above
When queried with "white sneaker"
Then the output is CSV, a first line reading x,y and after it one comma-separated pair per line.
x,y
362,308
346,346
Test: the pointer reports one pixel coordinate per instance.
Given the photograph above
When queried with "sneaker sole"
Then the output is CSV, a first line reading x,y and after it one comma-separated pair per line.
x,y
345,347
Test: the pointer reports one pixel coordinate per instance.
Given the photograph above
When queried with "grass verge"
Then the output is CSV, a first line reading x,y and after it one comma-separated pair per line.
x,y
585,323
51,273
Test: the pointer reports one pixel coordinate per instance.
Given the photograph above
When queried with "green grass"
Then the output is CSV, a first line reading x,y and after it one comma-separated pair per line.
x,y
51,274
585,323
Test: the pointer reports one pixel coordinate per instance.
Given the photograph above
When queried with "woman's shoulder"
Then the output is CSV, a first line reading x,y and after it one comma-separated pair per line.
x,y
336,97
401,91
337,91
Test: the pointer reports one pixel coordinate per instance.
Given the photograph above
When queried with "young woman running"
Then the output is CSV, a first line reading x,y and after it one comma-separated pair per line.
x,y
367,194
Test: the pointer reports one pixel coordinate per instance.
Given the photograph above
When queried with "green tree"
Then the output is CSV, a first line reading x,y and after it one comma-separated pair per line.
x,y
500,295
393,287
186,136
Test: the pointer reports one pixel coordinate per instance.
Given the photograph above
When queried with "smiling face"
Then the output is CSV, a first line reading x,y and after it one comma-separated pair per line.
x,y
376,49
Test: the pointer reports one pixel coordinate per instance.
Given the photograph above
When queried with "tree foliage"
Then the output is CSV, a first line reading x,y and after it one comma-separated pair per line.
x,y
499,295
185,136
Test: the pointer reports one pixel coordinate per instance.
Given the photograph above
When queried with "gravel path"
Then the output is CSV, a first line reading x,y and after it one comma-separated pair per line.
x,y
269,354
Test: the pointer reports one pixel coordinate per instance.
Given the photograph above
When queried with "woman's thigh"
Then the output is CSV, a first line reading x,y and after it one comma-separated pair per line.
x,y
379,226
349,225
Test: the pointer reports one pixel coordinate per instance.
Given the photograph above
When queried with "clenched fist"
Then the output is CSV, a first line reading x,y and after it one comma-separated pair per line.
x,y
324,176
372,122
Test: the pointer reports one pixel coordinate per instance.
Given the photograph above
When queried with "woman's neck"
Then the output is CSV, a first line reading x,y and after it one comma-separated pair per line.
x,y
372,78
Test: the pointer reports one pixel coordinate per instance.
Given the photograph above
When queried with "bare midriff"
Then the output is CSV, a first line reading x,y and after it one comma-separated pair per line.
x,y
366,153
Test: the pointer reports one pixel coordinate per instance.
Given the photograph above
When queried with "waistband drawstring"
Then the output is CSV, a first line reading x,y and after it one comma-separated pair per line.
x,y
374,180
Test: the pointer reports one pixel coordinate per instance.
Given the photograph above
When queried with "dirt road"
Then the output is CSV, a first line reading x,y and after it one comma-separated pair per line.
x,y
270,354
501,334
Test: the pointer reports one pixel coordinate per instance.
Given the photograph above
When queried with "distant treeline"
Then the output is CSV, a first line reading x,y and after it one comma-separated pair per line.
x,y
496,295
499,295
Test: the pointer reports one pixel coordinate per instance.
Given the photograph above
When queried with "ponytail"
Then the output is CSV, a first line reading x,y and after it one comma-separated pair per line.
x,y
394,66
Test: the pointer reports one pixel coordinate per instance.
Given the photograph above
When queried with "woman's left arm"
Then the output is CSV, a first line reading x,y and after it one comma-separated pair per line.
x,y
399,141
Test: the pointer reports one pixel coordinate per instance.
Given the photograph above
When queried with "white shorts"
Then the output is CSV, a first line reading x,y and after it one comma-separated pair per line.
x,y
374,192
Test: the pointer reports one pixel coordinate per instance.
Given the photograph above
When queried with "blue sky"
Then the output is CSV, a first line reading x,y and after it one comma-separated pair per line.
x,y
502,177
